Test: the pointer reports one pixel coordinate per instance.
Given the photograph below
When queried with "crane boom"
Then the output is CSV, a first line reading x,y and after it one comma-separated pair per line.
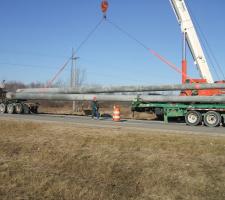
x,y
187,27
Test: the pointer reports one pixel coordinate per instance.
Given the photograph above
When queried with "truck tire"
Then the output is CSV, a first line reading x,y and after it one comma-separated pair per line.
x,y
212,119
193,118
2,108
26,109
10,108
35,110
19,108
223,121
160,117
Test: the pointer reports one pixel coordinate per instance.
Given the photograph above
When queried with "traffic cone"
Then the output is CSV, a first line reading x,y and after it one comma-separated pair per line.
x,y
116,113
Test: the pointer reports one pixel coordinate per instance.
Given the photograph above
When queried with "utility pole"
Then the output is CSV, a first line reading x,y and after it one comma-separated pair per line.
x,y
73,80
72,70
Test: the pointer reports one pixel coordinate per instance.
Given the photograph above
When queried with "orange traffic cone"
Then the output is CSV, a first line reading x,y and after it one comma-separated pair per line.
x,y
116,113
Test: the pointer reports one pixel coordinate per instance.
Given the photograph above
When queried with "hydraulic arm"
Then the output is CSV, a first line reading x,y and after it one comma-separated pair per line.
x,y
187,27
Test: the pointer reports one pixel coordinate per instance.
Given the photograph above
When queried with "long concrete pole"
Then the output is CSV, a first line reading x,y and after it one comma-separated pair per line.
x,y
158,98
115,89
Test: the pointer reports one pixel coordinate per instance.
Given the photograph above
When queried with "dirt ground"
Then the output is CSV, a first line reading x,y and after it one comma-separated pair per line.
x,y
67,161
84,108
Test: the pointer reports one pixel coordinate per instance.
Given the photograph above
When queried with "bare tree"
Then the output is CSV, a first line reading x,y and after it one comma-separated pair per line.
x,y
59,83
36,85
80,77
12,86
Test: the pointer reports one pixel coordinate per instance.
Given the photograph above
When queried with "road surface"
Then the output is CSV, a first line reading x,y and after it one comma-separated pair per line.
x,y
87,121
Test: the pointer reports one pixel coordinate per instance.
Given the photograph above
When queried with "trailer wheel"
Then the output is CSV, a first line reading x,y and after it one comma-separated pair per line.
x,y
223,121
19,108
193,118
2,108
10,108
35,110
212,119
26,109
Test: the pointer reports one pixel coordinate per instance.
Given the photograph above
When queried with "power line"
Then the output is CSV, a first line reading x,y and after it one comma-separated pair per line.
x,y
78,48
27,65
57,74
31,53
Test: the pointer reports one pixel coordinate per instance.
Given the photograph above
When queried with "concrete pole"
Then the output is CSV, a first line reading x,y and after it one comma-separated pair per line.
x,y
126,98
73,75
72,71
117,89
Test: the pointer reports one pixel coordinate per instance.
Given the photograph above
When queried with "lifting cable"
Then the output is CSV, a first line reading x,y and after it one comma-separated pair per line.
x,y
104,7
89,35
49,84
154,53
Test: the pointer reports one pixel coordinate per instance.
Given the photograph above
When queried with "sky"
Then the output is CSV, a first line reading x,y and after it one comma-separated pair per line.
x,y
37,37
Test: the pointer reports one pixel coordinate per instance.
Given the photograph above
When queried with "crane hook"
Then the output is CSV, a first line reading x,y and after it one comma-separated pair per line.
x,y
104,7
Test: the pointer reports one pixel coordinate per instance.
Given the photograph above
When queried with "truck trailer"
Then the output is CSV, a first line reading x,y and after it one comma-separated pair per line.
x,y
194,113
12,106
212,114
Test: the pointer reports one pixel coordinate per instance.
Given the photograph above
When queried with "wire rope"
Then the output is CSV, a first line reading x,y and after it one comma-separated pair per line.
x,y
77,49
89,35
154,53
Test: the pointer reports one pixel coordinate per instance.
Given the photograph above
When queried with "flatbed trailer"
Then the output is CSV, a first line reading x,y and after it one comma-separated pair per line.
x,y
12,106
209,114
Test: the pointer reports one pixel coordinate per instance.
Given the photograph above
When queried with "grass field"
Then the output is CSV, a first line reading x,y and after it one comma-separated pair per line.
x,y
66,161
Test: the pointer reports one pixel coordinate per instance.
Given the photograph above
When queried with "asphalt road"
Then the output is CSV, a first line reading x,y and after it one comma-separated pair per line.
x,y
151,125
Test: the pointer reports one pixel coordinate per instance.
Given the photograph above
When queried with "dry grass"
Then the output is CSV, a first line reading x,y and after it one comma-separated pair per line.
x,y
105,108
64,161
